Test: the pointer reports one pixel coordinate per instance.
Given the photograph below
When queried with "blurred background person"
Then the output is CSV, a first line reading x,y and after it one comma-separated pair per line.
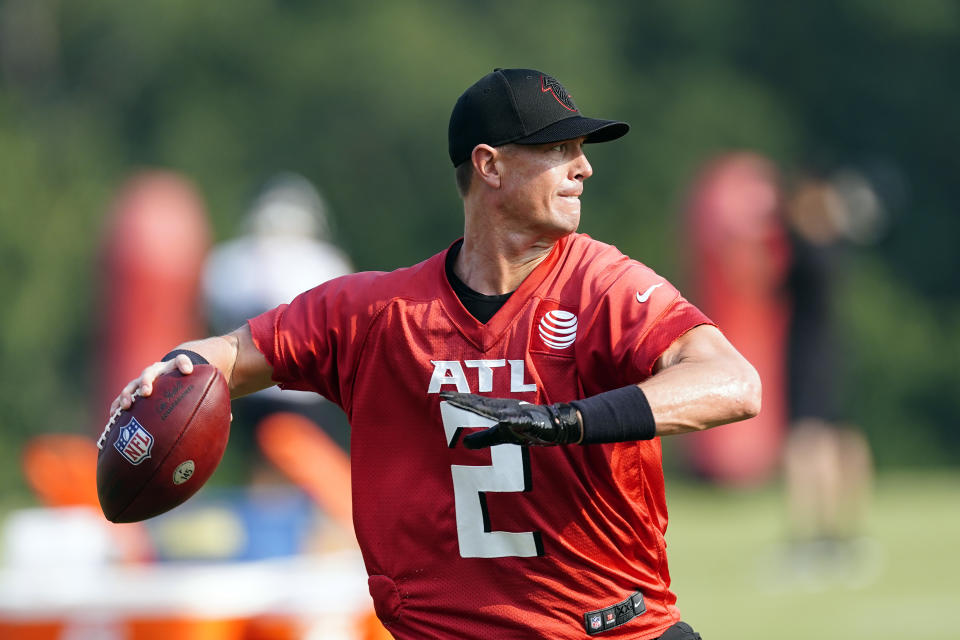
x,y
285,248
827,461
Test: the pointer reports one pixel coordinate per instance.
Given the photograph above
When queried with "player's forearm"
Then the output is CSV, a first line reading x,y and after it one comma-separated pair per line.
x,y
220,351
701,382
693,396
237,358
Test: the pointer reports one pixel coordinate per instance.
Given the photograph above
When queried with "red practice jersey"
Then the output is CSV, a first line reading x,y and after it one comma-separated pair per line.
x,y
506,542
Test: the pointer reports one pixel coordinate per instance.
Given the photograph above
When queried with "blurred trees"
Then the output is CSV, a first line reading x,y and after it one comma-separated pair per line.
x,y
356,97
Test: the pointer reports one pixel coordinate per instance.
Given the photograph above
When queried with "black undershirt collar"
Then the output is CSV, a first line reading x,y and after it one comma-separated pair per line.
x,y
482,307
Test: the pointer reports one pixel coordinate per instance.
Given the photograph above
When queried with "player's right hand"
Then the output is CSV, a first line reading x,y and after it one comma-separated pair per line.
x,y
142,385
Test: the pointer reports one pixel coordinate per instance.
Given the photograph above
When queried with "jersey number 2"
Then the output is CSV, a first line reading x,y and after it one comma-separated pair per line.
x,y
509,472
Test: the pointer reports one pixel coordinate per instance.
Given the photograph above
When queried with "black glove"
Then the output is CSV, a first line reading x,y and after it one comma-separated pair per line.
x,y
524,424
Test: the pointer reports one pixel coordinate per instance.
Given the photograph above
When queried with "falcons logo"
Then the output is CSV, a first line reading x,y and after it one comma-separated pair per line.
x,y
550,84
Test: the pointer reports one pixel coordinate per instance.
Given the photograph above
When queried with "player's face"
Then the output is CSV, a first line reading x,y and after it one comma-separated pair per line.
x,y
542,185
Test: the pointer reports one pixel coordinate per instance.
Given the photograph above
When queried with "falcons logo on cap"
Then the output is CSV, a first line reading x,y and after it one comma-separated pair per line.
x,y
550,84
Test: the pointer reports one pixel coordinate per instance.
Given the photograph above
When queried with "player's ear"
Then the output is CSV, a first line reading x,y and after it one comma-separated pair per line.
x,y
484,159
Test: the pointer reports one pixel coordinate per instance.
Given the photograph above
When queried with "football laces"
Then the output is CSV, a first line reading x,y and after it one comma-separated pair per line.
x,y
113,418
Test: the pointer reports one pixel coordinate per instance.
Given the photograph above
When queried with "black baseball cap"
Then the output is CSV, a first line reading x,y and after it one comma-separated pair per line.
x,y
522,106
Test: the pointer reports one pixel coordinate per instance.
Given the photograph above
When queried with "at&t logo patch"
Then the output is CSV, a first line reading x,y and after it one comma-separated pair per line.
x,y
134,442
558,329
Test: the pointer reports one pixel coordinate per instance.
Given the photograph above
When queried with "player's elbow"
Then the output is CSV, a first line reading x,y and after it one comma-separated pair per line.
x,y
751,392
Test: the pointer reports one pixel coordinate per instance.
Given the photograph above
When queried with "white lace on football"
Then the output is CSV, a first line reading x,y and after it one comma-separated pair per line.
x,y
113,418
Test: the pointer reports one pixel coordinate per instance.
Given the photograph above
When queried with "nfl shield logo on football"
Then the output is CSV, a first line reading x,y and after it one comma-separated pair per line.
x,y
134,442
596,622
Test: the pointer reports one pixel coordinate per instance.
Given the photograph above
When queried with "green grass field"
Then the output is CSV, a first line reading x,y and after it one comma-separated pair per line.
x,y
724,549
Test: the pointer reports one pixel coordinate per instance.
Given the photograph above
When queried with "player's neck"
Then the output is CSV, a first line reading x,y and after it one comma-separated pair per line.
x,y
497,265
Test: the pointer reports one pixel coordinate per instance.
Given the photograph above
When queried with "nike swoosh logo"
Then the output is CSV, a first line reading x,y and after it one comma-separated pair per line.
x,y
641,298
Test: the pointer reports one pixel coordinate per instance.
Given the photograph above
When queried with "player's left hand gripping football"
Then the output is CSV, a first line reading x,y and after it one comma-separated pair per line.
x,y
518,423
143,384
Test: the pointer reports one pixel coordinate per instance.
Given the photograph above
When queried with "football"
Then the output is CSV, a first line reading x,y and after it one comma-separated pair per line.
x,y
158,453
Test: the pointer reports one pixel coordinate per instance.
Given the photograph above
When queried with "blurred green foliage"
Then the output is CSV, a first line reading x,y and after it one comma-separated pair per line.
x,y
356,97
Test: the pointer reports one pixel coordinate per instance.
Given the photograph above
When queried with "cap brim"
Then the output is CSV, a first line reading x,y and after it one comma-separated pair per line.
x,y
577,127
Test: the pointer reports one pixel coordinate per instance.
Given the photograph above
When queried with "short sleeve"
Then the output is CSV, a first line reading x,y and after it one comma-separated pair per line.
x,y
635,315
311,341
